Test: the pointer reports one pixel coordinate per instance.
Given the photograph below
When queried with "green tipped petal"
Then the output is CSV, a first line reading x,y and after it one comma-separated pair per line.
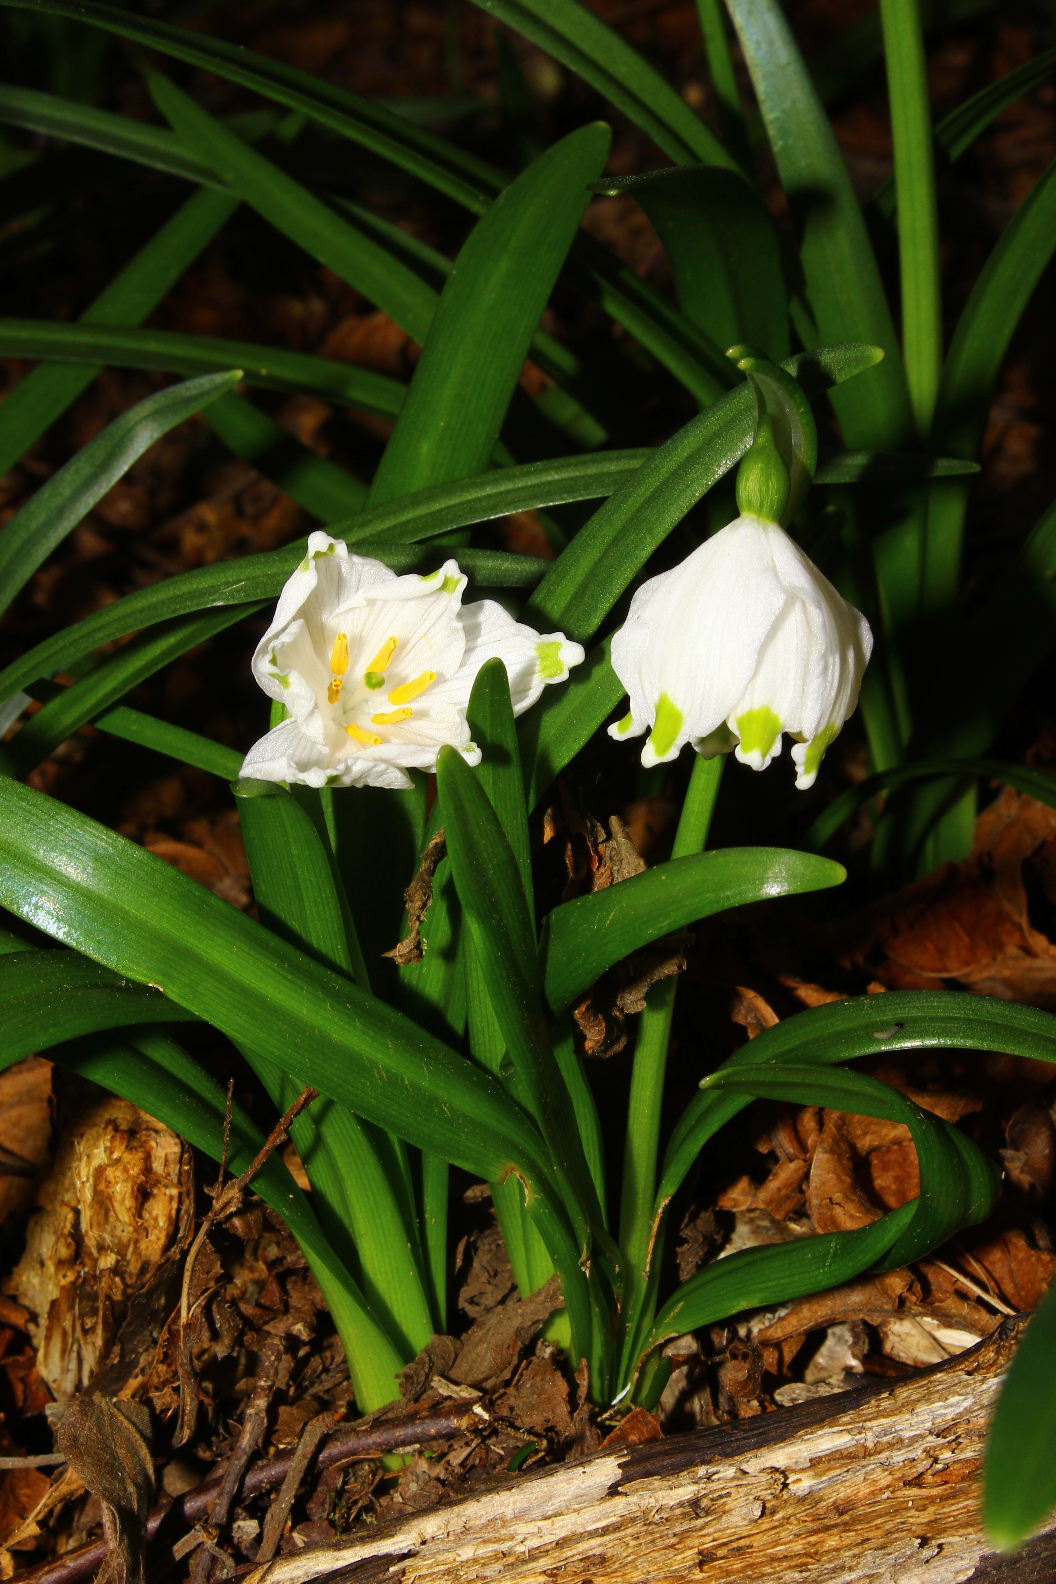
x,y
666,727
759,730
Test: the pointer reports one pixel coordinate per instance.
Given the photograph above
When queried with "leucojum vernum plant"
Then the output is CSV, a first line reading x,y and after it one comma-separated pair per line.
x,y
427,687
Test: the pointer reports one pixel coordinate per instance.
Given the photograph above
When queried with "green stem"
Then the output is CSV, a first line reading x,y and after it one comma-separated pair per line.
x,y
918,233
641,1150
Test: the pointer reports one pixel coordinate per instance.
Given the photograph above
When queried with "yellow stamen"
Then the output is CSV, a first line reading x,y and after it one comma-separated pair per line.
x,y
384,655
339,655
392,717
338,667
368,739
411,690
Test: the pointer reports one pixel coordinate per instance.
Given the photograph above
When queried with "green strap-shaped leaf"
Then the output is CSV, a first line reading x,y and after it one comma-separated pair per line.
x,y
124,907
309,222
842,280
591,933
47,996
423,515
488,312
133,293
369,122
581,41
864,1026
69,495
776,1273
958,1184
176,353
1019,1474
724,252
154,1072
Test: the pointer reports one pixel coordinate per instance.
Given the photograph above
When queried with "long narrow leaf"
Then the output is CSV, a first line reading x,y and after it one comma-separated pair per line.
x,y
842,280
488,313
583,42
122,906
133,293
251,578
69,495
589,934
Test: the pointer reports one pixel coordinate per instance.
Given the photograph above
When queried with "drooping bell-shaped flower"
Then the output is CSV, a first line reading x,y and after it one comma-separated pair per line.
x,y
376,669
741,642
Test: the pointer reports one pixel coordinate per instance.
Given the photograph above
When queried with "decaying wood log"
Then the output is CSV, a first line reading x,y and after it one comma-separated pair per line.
x,y
876,1486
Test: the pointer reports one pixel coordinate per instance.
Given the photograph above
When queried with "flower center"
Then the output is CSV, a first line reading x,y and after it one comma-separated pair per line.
x,y
374,681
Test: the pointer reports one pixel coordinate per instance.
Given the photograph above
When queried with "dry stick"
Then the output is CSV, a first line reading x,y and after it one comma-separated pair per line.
x,y
254,1423
279,1510
372,1439
226,1199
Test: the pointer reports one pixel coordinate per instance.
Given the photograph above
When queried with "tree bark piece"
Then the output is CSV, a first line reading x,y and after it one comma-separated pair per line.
x,y
879,1485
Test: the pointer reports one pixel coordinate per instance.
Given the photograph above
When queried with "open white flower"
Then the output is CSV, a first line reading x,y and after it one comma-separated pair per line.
x,y
741,642
375,670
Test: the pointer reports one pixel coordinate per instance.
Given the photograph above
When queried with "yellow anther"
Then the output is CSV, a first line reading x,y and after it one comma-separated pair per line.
x,y
392,717
384,655
339,655
411,690
368,739
333,692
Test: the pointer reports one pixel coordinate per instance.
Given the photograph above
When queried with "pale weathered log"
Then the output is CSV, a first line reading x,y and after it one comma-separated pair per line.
x,y
878,1484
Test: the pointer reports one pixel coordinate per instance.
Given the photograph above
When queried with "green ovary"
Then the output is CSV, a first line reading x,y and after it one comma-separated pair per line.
x,y
666,727
759,730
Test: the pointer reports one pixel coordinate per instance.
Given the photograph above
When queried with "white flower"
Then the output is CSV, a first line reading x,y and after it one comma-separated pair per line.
x,y
375,670
743,641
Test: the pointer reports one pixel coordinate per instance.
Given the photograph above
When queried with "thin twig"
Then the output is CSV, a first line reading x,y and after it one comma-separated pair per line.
x,y
369,1439
227,1198
279,1510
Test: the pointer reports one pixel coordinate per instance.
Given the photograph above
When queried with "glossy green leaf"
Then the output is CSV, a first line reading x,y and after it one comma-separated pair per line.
x,y
610,550
128,909
309,223
579,39
1036,783
916,209
69,495
864,1026
724,251
176,353
958,1184
591,933
367,121
358,1173
1019,1473
189,747
420,516
473,354
323,488
843,284
53,116
47,996
776,1273
133,293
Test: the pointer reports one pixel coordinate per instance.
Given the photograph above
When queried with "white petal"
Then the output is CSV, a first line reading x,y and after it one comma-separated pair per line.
x,y
693,634
532,659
